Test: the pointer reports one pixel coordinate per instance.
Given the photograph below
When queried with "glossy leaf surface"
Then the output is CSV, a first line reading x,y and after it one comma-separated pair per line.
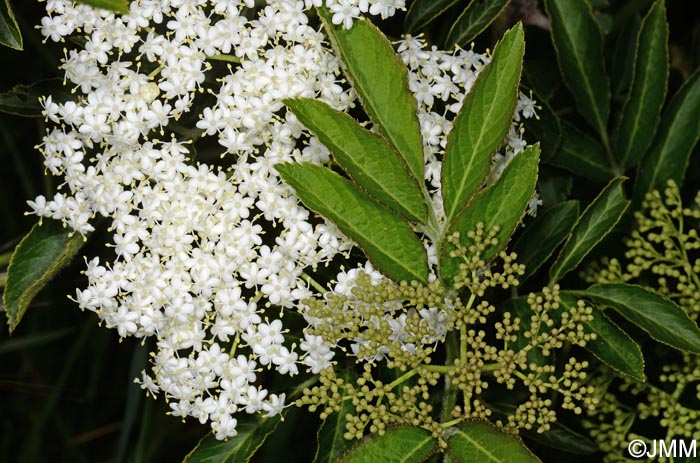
x,y
480,441
402,444
381,81
581,154
387,240
482,123
678,134
661,318
640,114
542,236
10,35
599,218
422,12
367,158
612,345
501,205
579,46
474,19
252,432
35,261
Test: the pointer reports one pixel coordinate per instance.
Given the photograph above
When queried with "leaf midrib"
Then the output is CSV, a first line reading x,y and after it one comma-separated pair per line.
x,y
370,107
644,315
377,181
579,62
418,447
642,100
478,149
476,444
571,258
364,237
664,149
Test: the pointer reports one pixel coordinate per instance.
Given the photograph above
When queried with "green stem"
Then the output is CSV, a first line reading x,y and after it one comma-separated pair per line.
x,y
449,399
232,353
317,286
3,279
226,58
438,368
155,72
687,267
403,378
447,424
491,367
297,391
616,169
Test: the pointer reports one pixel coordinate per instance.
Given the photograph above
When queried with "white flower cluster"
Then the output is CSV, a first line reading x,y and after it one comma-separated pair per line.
x,y
206,258
440,80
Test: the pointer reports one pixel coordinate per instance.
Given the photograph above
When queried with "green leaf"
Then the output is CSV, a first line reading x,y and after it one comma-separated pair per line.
x,y
36,259
386,239
482,123
612,345
554,186
581,154
423,12
381,81
367,158
658,316
542,236
545,128
599,218
502,205
476,17
331,441
543,78
557,436
579,46
623,53
403,444
640,115
118,6
479,441
605,22
10,35
674,142
560,437
252,432
23,100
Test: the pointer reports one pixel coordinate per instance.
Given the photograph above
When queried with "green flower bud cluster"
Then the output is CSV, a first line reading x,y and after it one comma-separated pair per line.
x,y
662,254
427,354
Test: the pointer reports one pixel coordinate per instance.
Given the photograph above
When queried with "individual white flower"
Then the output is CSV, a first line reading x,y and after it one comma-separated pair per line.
x,y
274,405
344,12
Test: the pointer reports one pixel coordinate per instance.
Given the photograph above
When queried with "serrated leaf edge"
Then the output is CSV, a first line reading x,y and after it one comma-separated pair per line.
x,y
651,290
578,221
370,110
31,290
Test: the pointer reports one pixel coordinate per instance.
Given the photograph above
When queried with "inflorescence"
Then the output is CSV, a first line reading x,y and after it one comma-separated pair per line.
x,y
432,336
207,255
662,253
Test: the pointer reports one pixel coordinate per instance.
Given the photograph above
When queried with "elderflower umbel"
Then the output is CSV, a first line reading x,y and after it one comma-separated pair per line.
x,y
201,252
